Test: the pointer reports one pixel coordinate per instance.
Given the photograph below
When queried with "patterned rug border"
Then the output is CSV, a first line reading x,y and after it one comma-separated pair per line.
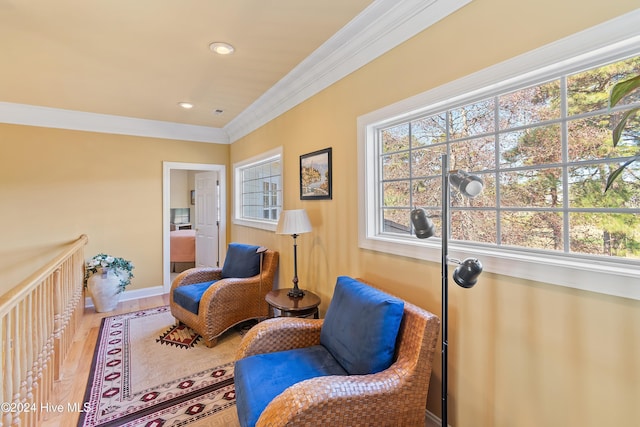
x,y
224,386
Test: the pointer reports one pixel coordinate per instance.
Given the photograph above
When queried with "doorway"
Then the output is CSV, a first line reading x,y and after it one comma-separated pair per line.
x,y
215,215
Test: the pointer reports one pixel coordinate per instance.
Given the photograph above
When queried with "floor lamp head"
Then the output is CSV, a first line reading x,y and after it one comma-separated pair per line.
x,y
469,185
466,274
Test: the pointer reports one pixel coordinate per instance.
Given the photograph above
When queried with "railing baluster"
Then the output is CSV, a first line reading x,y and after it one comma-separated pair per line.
x,y
38,319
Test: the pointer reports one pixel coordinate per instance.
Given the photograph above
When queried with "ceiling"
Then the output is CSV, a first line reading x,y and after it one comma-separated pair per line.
x,y
140,58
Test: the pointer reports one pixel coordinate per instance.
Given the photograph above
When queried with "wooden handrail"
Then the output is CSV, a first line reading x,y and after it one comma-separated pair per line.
x,y
38,319
24,287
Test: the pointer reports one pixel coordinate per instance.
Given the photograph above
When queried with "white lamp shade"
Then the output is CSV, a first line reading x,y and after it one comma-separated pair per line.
x,y
293,221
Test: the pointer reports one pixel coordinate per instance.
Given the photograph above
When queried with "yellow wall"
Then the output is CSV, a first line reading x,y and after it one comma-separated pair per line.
x,y
58,184
521,353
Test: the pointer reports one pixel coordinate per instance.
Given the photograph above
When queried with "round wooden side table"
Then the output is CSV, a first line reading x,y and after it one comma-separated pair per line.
x,y
293,307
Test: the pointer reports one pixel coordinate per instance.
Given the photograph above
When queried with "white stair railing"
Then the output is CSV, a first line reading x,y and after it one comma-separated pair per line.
x,y
38,319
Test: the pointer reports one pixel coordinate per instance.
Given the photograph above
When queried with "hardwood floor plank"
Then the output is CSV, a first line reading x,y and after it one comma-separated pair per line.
x,y
70,388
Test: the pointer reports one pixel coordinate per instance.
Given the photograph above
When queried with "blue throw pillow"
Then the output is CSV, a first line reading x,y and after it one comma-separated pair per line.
x,y
361,327
242,261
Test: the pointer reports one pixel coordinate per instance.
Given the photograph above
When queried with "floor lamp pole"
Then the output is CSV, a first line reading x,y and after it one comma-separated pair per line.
x,y
445,285
466,274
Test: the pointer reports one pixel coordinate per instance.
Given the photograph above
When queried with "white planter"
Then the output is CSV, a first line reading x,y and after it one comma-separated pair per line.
x,y
104,287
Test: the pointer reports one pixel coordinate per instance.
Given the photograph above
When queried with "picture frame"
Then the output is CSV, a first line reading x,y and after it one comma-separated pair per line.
x,y
315,175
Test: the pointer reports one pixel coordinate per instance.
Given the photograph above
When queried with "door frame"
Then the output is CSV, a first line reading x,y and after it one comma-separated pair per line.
x,y
167,167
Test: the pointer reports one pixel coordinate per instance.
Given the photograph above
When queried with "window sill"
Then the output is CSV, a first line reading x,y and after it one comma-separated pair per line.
x,y
262,225
610,277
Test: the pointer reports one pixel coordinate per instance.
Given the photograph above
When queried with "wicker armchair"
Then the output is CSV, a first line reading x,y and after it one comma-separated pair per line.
x,y
396,396
226,302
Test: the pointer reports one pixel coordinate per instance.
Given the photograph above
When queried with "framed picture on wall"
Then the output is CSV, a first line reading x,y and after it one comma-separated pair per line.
x,y
315,175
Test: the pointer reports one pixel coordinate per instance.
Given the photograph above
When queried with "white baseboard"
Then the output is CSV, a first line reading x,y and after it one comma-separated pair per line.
x,y
432,419
132,294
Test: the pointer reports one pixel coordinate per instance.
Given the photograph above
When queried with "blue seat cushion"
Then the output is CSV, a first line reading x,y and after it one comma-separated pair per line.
x,y
189,296
242,261
260,378
361,326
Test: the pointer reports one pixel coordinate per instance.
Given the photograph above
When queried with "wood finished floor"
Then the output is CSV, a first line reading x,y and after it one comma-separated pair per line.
x,y
71,387
75,370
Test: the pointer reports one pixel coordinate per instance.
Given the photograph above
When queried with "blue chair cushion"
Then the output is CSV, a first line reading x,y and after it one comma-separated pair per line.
x,y
361,327
189,296
242,261
260,378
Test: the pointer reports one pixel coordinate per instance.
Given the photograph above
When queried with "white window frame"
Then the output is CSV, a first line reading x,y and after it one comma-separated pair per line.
x,y
264,224
606,42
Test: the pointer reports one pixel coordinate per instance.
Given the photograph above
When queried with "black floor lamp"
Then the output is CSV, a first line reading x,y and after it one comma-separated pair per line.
x,y
467,272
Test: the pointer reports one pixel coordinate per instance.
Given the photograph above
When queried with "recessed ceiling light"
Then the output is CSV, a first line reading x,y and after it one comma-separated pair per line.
x,y
221,48
185,105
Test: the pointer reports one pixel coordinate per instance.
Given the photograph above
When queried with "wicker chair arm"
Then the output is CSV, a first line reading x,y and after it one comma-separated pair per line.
x,y
227,292
196,275
279,334
339,400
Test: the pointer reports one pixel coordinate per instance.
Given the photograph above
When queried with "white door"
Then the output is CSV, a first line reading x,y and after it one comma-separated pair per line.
x,y
207,219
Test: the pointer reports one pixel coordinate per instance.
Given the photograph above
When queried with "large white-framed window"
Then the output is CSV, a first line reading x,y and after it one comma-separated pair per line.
x,y
537,130
258,190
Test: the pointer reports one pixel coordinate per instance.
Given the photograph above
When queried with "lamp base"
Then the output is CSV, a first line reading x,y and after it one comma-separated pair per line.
x,y
296,293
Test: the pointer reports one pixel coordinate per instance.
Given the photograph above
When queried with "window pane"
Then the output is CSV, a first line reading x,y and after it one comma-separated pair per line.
x,y
530,105
276,168
472,119
395,138
474,226
537,230
533,146
587,184
429,130
590,138
396,194
531,188
605,234
473,154
628,143
395,166
265,170
427,192
396,221
427,161
589,90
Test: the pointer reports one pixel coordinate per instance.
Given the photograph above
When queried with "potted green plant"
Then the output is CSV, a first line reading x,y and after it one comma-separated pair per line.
x,y
106,277
619,91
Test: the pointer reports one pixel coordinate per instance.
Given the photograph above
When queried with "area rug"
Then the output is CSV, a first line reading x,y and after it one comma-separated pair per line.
x,y
148,371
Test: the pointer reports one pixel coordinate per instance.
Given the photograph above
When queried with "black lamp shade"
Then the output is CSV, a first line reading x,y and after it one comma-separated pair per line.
x,y
469,185
466,274
423,226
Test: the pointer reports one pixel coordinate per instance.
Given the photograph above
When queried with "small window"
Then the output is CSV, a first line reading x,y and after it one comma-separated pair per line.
x,y
258,190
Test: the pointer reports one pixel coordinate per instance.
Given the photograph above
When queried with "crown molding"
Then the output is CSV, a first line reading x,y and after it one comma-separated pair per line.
x,y
32,115
379,28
